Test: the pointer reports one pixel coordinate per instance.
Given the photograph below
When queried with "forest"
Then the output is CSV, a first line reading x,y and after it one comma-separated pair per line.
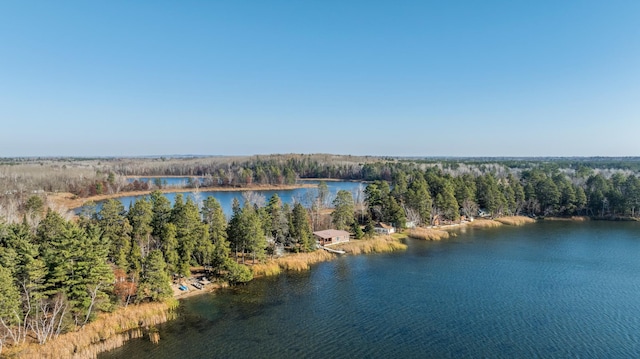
x,y
59,271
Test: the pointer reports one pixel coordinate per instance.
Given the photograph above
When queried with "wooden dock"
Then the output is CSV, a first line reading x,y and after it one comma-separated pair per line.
x,y
336,251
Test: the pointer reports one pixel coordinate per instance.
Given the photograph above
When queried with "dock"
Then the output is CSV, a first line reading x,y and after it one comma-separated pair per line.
x,y
336,251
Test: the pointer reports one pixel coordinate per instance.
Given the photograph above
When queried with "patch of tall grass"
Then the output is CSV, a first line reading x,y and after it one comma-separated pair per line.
x,y
429,234
109,331
484,223
379,244
515,220
567,219
266,269
296,262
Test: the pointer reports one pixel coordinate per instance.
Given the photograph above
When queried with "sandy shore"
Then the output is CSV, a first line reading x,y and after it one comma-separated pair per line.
x,y
193,291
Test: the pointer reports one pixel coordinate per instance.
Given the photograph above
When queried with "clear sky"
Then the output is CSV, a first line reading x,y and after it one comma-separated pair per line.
x,y
407,78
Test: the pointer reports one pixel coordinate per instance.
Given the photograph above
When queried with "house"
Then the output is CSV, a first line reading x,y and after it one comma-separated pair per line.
x,y
383,228
331,236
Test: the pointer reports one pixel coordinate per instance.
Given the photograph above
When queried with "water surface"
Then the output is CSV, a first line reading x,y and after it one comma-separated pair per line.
x,y
551,290
305,195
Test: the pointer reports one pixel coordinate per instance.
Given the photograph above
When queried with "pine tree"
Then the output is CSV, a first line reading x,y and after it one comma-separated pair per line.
x,y
154,282
357,231
301,233
161,209
186,218
252,233
213,215
140,217
116,231
169,245
10,305
343,214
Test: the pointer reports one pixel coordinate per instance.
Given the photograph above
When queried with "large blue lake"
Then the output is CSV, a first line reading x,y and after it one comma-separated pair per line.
x,y
546,290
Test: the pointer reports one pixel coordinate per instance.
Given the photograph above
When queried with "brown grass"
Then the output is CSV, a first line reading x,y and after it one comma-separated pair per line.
x,y
266,269
379,244
109,331
292,262
515,220
302,261
429,234
567,219
484,223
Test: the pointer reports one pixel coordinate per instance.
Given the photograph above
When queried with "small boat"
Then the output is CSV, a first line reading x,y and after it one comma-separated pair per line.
x,y
182,287
197,285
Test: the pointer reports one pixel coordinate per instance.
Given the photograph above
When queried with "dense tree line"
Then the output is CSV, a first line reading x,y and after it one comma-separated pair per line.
x,y
431,196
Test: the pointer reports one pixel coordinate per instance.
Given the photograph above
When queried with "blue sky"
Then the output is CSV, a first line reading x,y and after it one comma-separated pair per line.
x,y
406,78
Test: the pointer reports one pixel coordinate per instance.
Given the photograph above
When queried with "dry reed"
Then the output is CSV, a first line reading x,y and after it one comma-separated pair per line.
x,y
484,223
269,268
429,234
302,261
293,262
568,219
515,220
109,331
379,244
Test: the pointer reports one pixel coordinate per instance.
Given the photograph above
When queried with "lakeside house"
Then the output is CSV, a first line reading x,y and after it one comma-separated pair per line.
x,y
383,228
331,236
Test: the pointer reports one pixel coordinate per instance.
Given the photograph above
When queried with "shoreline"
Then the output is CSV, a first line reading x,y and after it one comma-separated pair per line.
x,y
102,338
436,233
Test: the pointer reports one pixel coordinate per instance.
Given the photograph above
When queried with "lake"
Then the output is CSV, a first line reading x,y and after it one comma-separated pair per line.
x,y
303,195
550,289
167,181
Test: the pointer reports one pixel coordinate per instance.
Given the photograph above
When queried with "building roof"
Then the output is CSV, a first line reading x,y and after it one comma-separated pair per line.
x,y
385,226
331,233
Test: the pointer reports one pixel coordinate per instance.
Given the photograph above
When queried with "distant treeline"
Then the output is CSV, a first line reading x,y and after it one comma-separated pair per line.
x,y
569,175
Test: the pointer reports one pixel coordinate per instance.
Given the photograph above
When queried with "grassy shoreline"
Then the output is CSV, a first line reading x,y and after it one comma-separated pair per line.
x,y
436,233
112,330
109,331
298,262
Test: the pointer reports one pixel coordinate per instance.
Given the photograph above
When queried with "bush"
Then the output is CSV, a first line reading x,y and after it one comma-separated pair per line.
x,y
237,273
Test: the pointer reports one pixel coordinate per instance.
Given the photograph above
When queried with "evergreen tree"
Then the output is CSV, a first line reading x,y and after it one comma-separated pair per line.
x,y
154,282
77,266
252,233
419,199
186,218
343,214
161,209
116,231
369,228
10,305
278,226
233,228
214,216
169,245
300,232
357,231
140,217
